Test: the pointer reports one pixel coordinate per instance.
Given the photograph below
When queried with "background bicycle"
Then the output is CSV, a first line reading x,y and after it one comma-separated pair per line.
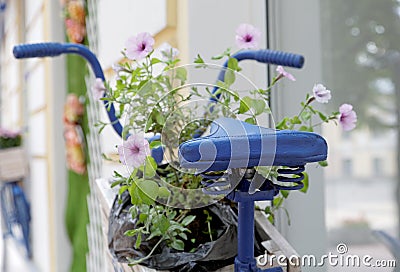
x,y
15,210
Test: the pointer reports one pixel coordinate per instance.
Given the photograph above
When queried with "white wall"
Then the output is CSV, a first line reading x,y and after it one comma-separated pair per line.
x,y
211,30
117,21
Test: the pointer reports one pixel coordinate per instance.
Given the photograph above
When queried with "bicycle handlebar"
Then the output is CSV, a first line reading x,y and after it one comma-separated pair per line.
x,y
271,57
40,50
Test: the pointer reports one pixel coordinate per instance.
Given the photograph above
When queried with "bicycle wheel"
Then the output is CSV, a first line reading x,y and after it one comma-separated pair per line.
x,y
22,218
5,223
6,208
16,215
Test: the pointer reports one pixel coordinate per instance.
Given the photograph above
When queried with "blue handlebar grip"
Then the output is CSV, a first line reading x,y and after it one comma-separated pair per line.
x,y
38,50
279,58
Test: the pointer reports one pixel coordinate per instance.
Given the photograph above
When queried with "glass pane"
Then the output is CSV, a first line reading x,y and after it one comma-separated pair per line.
x,y
361,60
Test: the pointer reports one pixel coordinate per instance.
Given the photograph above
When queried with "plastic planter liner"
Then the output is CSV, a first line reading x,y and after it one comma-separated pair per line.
x,y
207,256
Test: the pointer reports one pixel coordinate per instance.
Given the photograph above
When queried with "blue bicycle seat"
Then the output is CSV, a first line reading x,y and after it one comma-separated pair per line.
x,y
237,144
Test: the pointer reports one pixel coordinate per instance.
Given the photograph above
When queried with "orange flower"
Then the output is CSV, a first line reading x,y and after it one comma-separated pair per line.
x,y
76,11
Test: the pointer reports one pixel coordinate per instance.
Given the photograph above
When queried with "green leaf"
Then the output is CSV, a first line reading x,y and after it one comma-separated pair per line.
x,y
277,202
323,117
153,234
181,73
163,223
121,109
305,182
323,163
188,219
282,124
198,59
233,64
268,210
143,217
155,144
130,233
258,106
150,167
218,57
295,120
245,104
138,241
160,119
250,121
285,193
305,115
183,235
136,198
148,191
116,183
303,128
123,189
149,123
155,61
178,244
163,192
230,77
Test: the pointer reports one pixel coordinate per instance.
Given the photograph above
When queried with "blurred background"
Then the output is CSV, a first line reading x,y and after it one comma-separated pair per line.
x,y
352,47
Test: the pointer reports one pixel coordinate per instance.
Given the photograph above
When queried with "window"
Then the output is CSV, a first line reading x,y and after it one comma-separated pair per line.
x,y
353,49
360,57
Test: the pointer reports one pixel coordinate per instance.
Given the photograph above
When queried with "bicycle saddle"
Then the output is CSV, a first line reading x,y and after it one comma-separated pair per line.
x,y
237,144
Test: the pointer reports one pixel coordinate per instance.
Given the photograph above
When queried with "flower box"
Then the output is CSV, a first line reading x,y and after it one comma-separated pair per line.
x,y
12,164
104,198
274,243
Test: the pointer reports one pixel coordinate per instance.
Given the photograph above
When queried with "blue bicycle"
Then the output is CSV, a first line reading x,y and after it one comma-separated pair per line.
x,y
15,211
292,152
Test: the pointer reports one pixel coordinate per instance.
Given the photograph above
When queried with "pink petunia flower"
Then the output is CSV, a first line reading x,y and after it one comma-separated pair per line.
x,y
98,89
347,117
321,94
247,36
76,32
134,150
139,46
283,73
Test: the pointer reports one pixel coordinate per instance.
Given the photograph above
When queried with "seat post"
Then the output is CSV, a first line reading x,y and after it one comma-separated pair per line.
x,y
245,261
245,257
